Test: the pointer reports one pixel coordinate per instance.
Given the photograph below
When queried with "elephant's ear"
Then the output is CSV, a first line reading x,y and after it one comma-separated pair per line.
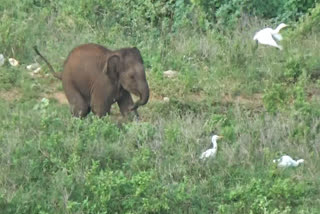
x,y
137,53
112,67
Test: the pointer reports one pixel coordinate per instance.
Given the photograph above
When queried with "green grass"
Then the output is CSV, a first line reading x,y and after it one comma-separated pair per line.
x,y
51,161
265,102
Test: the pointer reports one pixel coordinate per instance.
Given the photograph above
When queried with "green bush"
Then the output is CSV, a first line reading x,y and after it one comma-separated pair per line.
x,y
264,196
275,98
294,9
309,22
294,68
113,192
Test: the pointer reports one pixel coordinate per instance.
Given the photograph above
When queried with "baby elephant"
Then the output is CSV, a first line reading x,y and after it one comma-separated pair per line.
x,y
95,77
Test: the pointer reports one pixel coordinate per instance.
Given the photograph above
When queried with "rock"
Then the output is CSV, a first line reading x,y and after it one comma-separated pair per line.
x,y
13,62
170,73
33,66
166,99
36,70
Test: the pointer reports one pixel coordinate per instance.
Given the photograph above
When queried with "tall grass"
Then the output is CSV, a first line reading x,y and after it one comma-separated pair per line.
x,y
47,158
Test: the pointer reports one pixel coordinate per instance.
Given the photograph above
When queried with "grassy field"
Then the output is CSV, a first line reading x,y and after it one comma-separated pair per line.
x,y
265,102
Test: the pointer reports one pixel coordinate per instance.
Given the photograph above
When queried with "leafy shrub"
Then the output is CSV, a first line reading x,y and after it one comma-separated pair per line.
x,y
172,133
294,68
227,12
9,77
97,129
309,22
275,97
221,125
264,196
294,9
113,192
140,133
127,18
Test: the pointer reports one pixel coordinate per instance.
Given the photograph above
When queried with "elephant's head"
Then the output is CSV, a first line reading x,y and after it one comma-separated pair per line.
x,y
132,75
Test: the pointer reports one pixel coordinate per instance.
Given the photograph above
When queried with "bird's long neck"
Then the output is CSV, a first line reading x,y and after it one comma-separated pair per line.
x,y
214,143
299,162
278,29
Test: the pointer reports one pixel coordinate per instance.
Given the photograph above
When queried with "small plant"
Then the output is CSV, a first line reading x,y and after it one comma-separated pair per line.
x,y
139,193
9,77
275,98
140,133
295,67
267,195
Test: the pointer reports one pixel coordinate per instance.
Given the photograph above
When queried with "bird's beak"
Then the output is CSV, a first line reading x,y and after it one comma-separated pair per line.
x,y
219,137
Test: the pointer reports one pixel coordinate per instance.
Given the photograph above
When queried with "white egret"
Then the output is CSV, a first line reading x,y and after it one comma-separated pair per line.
x,y
268,36
287,161
211,152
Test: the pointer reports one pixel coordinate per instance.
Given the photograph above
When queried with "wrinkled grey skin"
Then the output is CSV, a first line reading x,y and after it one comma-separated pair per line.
x,y
95,77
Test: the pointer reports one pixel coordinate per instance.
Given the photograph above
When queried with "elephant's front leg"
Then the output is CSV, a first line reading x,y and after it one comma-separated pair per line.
x,y
101,108
125,102
100,104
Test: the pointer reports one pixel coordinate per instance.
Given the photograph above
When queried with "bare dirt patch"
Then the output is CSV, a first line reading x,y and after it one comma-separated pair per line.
x,y
155,97
254,101
59,96
10,95
313,93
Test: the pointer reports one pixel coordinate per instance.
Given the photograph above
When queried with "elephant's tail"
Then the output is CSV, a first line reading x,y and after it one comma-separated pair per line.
x,y
55,74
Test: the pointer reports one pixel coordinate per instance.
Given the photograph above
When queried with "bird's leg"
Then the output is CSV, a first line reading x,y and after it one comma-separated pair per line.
x,y
255,47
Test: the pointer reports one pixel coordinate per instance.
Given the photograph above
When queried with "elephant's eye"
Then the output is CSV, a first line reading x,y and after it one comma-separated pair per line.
x,y
132,77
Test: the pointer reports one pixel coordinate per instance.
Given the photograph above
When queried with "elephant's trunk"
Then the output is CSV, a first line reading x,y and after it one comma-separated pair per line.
x,y
144,97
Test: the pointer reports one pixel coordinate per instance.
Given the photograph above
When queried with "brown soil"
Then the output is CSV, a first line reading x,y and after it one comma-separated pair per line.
x,y
11,95
254,101
313,93
155,97
59,96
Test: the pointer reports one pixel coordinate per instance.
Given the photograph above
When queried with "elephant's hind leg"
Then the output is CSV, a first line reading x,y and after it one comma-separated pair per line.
x,y
79,107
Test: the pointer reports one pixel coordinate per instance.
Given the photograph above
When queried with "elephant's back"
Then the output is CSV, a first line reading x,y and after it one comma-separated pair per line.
x,y
84,65
89,48
86,59
85,53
